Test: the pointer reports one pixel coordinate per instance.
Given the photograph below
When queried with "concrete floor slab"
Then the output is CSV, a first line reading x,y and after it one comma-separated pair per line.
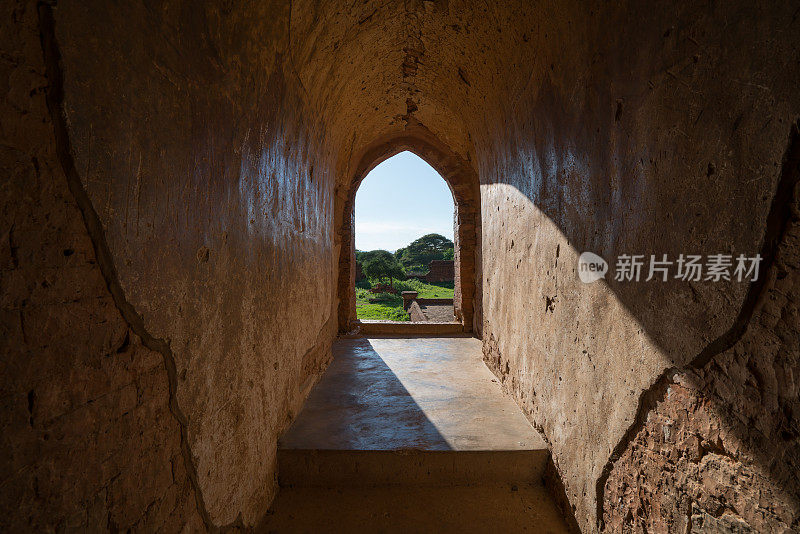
x,y
411,435
420,393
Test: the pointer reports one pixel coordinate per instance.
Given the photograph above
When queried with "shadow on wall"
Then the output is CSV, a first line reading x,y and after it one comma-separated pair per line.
x,y
566,188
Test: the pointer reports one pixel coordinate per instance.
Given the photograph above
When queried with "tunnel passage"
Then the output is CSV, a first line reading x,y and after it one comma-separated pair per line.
x,y
463,184
172,170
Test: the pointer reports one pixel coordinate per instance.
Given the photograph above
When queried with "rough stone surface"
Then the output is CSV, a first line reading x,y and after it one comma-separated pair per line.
x,y
643,130
214,192
719,451
88,441
213,195
219,146
440,271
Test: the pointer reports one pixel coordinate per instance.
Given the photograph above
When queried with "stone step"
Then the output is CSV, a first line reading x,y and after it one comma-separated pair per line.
x,y
411,435
408,328
402,509
348,468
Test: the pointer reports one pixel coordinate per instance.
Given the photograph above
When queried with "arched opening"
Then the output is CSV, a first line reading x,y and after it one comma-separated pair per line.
x,y
404,222
463,184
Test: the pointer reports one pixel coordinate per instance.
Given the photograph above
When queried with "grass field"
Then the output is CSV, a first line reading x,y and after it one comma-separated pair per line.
x,y
438,290
388,307
381,312
384,306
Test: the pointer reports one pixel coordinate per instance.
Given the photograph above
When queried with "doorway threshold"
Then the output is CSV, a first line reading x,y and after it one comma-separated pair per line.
x,y
402,328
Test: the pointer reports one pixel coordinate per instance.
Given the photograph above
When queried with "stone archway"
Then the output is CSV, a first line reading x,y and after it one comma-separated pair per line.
x,y
462,180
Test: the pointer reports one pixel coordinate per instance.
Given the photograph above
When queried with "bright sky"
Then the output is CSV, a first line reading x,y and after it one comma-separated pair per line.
x,y
400,200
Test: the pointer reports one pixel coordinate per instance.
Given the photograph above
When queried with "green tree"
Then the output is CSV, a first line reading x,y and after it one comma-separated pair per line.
x,y
382,264
422,251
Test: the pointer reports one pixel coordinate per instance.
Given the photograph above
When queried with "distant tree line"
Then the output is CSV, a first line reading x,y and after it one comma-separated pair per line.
x,y
416,256
382,264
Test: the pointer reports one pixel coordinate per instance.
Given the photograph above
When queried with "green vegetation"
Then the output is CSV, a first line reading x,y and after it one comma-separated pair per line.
x,y
427,290
416,256
364,283
381,312
384,306
389,307
381,265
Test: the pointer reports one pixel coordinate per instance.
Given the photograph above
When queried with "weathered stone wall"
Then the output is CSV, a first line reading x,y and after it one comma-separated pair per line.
x,y
440,271
88,440
201,158
646,130
175,185
718,448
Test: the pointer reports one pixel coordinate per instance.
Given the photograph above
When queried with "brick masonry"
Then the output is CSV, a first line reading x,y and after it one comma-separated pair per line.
x,y
719,451
440,271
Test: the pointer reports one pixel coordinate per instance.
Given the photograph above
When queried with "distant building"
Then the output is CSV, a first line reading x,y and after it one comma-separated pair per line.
x,y
438,271
441,271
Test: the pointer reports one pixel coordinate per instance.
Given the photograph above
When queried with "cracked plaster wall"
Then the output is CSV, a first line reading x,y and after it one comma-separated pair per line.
x,y
647,130
148,367
212,141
